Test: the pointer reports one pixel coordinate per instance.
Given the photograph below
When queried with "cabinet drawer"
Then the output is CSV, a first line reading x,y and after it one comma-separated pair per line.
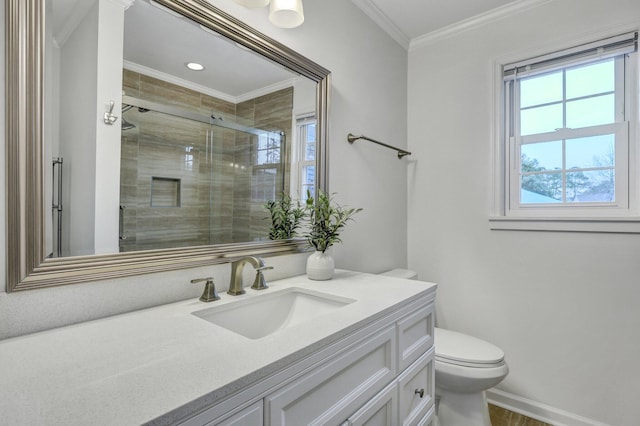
x,y
430,418
382,410
415,335
416,390
333,391
250,416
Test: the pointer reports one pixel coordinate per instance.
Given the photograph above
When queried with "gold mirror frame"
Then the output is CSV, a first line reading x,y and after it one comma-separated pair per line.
x,y
27,268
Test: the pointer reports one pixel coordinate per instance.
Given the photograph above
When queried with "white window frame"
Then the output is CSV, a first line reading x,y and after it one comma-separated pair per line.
x,y
621,216
300,149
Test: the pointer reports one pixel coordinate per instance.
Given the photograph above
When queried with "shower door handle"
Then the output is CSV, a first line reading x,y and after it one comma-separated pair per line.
x,y
121,234
56,202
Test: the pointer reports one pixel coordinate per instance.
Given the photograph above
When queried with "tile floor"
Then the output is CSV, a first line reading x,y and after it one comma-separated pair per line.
x,y
501,417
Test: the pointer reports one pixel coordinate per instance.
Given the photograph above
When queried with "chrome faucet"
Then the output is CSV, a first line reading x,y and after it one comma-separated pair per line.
x,y
235,286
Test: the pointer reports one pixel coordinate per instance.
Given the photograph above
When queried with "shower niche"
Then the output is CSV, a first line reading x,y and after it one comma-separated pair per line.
x,y
165,192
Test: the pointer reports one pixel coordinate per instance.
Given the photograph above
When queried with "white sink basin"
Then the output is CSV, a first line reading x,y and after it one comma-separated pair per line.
x,y
267,313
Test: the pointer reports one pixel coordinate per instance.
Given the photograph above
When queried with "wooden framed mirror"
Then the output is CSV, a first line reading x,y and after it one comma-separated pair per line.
x,y
29,261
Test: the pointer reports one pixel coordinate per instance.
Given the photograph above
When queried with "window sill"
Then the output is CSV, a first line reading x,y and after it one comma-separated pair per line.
x,y
606,225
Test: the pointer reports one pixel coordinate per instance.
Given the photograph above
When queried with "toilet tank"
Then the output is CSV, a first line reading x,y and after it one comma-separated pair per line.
x,y
401,273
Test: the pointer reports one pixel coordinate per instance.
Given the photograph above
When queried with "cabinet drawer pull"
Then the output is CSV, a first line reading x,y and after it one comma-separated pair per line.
x,y
419,392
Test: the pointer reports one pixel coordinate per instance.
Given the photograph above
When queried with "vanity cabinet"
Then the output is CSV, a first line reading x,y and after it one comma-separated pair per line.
x,y
382,375
327,395
368,360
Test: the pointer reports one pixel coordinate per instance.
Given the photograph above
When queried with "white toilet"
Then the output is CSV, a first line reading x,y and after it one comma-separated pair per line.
x,y
465,367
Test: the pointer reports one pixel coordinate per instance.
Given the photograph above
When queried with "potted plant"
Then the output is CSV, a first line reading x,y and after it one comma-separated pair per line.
x,y
285,217
326,221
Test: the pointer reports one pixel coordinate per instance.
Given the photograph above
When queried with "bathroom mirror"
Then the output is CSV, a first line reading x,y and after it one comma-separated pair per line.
x,y
32,260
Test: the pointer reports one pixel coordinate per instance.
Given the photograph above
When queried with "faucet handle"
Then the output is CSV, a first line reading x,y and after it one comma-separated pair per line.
x,y
209,294
259,283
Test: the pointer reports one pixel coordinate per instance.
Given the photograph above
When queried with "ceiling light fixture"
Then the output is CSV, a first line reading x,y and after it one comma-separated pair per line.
x,y
286,13
194,66
282,13
252,3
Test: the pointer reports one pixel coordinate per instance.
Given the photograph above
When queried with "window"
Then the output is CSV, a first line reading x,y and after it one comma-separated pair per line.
x,y
307,155
569,133
267,180
269,148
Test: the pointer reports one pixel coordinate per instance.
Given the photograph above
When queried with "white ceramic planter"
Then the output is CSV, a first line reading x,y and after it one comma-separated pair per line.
x,y
320,266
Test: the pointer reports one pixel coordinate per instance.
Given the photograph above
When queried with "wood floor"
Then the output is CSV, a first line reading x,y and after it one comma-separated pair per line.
x,y
501,417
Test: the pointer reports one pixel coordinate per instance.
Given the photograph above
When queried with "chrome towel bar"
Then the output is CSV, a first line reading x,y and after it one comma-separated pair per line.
x,y
401,152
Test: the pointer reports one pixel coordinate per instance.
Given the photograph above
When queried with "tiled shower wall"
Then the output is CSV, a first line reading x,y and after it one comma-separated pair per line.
x,y
181,187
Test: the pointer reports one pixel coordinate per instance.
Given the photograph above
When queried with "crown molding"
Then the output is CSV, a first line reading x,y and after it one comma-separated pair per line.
x,y
377,16
267,89
493,15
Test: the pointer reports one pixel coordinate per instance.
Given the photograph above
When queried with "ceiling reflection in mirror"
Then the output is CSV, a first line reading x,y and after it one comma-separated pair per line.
x,y
190,156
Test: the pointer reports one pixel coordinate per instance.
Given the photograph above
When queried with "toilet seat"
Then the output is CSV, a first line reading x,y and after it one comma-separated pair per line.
x,y
464,350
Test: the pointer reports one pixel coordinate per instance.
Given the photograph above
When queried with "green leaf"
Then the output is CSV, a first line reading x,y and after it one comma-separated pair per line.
x,y
326,221
285,218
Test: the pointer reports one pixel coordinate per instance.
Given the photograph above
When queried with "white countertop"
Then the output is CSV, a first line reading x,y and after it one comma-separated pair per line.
x,y
132,368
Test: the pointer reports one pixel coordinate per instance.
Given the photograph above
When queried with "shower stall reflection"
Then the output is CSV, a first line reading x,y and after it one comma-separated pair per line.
x,y
189,180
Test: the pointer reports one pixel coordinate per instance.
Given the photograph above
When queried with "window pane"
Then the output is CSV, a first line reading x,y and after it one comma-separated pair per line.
x,y
594,151
591,112
308,181
309,175
542,89
541,119
311,132
592,186
536,157
310,151
541,188
591,79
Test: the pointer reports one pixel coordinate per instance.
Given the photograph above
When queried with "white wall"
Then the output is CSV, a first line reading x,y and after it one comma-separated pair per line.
x,y
368,96
563,306
90,76
369,74
108,137
77,108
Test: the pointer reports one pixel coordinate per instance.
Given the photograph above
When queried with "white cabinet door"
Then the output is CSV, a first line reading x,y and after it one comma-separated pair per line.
x,y
416,388
330,393
382,410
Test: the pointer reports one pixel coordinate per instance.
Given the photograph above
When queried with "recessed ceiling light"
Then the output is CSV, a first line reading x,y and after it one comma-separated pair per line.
x,y
194,66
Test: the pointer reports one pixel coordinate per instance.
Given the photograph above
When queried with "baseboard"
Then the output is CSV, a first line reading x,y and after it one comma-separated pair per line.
x,y
537,410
